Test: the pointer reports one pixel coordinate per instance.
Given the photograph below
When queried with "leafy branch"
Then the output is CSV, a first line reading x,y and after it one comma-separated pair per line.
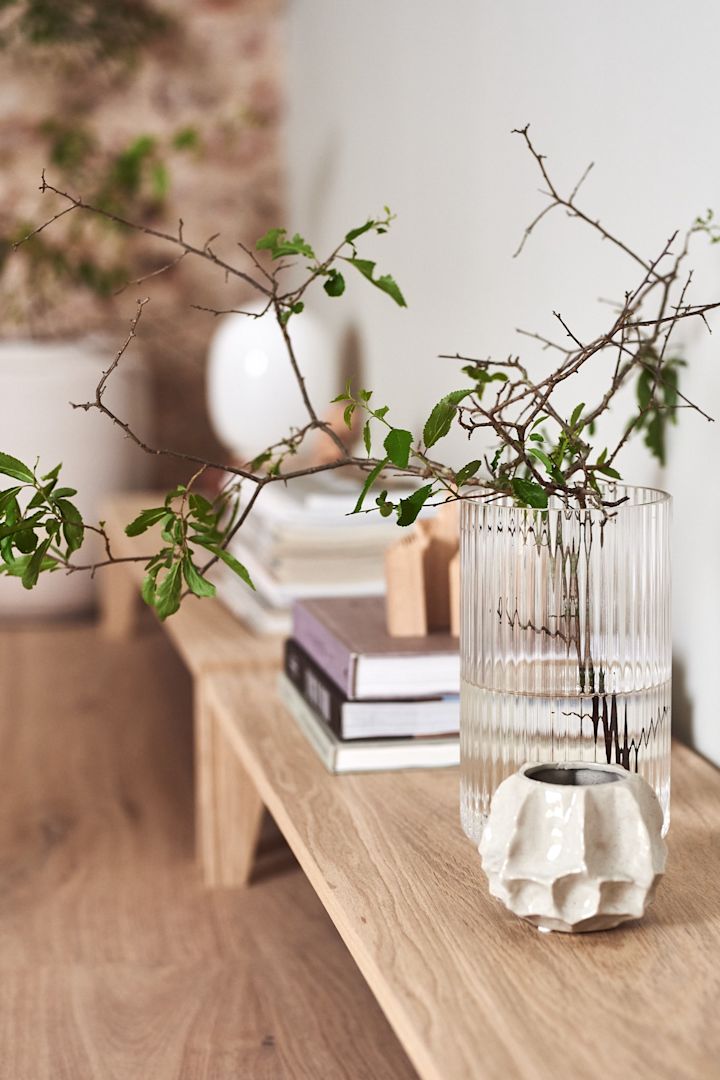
x,y
540,453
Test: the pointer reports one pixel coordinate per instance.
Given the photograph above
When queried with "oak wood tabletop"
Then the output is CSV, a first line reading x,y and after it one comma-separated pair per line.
x,y
471,991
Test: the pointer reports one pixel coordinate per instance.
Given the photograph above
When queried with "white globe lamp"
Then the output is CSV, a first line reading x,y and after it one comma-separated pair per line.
x,y
252,393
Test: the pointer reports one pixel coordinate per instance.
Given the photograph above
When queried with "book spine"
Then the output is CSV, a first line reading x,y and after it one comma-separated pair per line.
x,y
319,692
330,654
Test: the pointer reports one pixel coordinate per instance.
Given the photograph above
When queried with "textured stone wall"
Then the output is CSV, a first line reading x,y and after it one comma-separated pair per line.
x,y
219,71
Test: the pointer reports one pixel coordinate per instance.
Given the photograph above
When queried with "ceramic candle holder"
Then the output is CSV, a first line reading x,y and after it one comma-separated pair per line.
x,y
574,846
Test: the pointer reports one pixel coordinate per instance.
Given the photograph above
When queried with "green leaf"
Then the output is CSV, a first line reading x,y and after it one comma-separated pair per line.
x,y
196,583
334,285
149,586
644,388
276,243
230,561
72,525
160,179
35,565
496,459
385,283
369,481
260,460
200,506
144,520
8,496
655,437
348,415
409,508
397,447
26,540
607,470
167,593
529,493
549,464
466,472
354,233
384,505
12,529
576,414
10,466
367,437
440,420
187,138
53,474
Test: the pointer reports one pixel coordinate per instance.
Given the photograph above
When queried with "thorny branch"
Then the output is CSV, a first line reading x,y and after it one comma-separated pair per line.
x,y
529,464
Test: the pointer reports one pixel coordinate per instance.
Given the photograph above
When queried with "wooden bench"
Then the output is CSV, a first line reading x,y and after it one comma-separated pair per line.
x,y
471,991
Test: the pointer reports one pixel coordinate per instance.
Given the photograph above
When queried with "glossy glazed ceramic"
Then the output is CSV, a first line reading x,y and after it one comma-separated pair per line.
x,y
574,846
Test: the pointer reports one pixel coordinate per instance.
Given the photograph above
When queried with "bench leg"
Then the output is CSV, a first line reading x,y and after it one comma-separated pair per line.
x,y
119,602
228,809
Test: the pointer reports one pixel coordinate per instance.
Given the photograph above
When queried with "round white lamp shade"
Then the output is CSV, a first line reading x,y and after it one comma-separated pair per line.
x,y
253,395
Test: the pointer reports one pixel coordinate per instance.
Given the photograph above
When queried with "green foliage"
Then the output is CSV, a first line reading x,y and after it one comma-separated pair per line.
x,y
397,447
467,472
275,241
439,422
529,493
108,30
132,180
40,528
187,138
187,521
386,283
335,283
410,507
369,481
657,398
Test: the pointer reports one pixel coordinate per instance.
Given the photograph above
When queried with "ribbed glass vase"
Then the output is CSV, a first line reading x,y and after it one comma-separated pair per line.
x,y
565,641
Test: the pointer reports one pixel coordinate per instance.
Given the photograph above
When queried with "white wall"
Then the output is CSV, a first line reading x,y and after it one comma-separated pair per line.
x,y
411,103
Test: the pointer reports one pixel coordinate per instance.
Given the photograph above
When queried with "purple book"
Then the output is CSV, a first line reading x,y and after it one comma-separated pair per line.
x,y
348,639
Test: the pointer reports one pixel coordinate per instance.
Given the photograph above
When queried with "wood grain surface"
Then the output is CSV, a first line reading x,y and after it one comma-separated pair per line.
x,y
472,991
115,962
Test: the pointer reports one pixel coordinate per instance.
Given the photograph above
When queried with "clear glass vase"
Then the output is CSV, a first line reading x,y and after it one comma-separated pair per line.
x,y
565,641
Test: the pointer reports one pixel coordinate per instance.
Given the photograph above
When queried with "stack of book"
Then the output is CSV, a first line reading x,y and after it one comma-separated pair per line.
x,y
301,540
365,700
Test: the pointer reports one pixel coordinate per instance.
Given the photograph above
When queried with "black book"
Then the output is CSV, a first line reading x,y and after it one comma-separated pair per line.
x,y
351,720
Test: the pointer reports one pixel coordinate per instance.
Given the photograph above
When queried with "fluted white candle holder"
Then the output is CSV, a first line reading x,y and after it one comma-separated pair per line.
x,y
574,846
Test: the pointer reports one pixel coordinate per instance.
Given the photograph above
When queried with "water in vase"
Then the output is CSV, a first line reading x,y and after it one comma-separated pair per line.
x,y
500,731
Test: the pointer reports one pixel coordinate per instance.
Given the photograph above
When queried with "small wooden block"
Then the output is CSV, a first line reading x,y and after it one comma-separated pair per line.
x,y
406,613
418,577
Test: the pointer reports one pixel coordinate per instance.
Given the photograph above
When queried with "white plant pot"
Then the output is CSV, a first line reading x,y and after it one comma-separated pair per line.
x,y
38,380
574,846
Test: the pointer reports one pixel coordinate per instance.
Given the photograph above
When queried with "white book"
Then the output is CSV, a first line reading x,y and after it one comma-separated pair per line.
x,y
282,595
248,606
366,755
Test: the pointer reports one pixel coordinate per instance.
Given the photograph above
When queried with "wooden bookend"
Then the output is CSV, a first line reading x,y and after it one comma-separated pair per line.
x,y
419,578
405,586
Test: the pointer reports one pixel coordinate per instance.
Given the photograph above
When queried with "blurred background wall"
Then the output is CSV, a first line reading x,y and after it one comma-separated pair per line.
x,y
81,87
412,104
317,113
